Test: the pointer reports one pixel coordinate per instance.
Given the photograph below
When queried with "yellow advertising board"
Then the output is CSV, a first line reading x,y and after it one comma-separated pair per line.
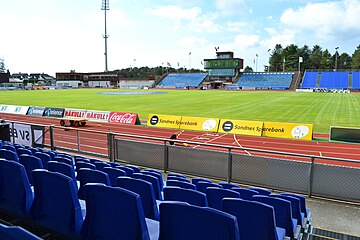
x,y
253,128
166,121
288,130
200,124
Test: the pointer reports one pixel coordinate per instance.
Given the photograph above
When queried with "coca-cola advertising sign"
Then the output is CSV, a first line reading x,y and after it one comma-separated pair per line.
x,y
124,118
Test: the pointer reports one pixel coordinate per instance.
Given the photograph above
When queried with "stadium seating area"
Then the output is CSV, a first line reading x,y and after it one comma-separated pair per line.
x,y
356,80
265,80
74,197
334,80
309,80
183,80
331,80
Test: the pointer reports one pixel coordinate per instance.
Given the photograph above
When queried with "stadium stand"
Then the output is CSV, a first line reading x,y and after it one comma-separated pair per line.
x,y
16,233
175,80
309,80
356,80
265,80
216,195
334,80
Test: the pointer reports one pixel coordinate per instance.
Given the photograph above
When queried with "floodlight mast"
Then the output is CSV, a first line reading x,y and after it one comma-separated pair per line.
x,y
105,7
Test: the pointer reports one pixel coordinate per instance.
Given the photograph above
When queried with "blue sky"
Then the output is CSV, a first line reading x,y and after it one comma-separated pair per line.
x,y
58,36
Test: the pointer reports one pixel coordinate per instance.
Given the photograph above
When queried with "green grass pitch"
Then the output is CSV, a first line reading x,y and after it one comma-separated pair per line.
x,y
321,109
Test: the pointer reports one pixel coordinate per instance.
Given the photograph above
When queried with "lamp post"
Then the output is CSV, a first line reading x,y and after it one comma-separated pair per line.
x,y
105,7
336,56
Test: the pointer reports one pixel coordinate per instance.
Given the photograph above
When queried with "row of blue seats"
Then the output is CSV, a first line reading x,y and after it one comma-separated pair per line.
x,y
156,179
265,80
174,80
331,80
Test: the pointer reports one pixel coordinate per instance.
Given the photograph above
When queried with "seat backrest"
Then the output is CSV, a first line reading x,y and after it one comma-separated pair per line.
x,y
81,158
129,171
302,201
30,163
86,175
114,164
196,180
178,179
80,165
16,233
21,151
261,191
63,168
51,153
190,196
146,192
215,196
135,168
176,175
44,157
113,174
153,180
245,193
227,185
201,186
295,207
204,223
66,155
56,206
157,175
9,147
16,195
282,209
181,184
256,220
64,160
9,155
33,150
101,165
126,221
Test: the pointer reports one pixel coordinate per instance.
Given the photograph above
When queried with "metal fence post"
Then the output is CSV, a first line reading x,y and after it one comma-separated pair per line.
x,y
110,144
311,175
166,157
229,166
12,130
78,139
52,140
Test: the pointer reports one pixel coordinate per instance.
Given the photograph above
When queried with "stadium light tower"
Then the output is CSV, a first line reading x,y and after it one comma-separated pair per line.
x,y
105,7
336,57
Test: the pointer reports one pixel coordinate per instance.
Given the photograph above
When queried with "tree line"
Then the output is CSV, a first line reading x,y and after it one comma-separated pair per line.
x,y
287,58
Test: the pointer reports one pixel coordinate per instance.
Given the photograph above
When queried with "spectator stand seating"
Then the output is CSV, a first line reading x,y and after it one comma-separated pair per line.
x,y
174,80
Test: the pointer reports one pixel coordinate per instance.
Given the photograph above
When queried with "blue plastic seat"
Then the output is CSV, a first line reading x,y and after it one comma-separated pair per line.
x,y
303,207
56,206
196,180
295,208
51,153
245,193
153,180
227,185
189,196
176,175
179,221
16,233
81,158
114,164
16,196
81,164
215,196
9,147
66,155
101,165
44,157
176,183
9,155
256,220
64,160
65,169
129,171
201,186
178,179
261,191
30,163
33,150
86,175
283,213
21,151
146,192
115,213
157,175
135,168
113,174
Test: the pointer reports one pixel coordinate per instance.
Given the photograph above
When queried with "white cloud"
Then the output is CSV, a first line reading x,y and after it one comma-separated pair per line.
x,y
285,37
245,42
237,26
191,42
336,19
173,12
230,7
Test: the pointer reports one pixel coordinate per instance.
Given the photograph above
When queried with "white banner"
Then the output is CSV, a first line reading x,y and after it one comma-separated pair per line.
x,y
74,113
22,110
25,135
97,116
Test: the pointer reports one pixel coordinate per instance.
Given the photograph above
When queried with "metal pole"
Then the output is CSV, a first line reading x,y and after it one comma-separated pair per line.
x,y
105,7
52,140
110,139
311,180
166,157
78,139
229,166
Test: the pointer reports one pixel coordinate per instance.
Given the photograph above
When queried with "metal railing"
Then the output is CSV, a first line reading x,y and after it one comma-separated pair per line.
x,y
312,175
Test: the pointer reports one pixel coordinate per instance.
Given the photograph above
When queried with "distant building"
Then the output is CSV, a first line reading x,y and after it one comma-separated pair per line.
x,y
21,76
223,70
4,77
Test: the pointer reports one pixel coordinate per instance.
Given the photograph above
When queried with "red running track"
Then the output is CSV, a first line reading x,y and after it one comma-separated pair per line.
x,y
97,142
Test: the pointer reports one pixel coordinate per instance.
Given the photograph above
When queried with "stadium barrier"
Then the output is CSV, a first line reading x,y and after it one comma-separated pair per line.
x,y
345,134
21,110
307,174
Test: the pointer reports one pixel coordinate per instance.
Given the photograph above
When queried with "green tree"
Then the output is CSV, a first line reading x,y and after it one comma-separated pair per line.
x,y
248,69
355,60
276,59
2,66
